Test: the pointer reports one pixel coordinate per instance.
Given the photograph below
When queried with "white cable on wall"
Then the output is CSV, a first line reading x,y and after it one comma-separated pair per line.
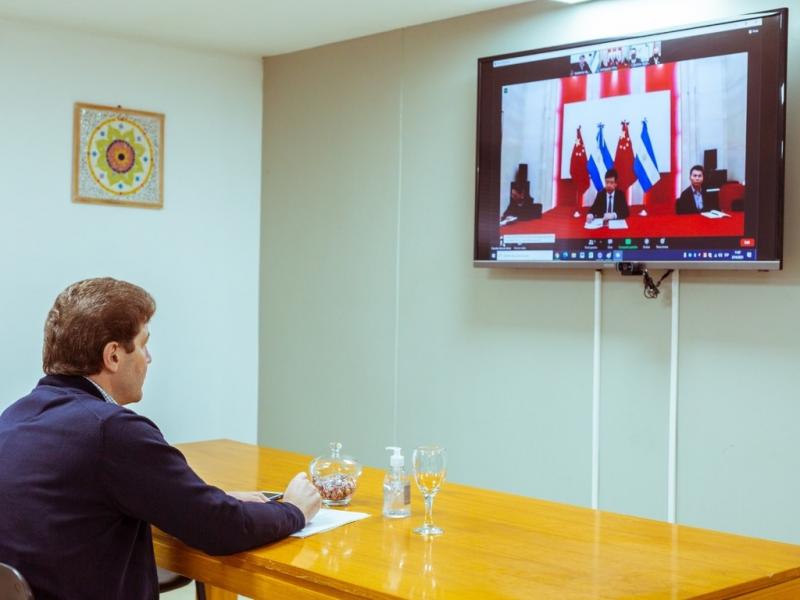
x,y
672,467
598,278
396,366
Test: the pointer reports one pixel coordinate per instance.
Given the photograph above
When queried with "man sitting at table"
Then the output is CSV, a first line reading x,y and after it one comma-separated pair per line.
x,y
82,477
610,203
521,206
694,199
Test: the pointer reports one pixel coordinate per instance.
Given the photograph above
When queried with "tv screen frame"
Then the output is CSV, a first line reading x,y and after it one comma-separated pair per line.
x,y
541,229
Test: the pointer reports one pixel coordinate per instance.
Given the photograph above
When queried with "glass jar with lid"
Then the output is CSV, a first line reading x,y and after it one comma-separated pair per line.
x,y
335,475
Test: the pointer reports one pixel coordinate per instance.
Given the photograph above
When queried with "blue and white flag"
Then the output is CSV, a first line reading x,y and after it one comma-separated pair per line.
x,y
600,160
645,165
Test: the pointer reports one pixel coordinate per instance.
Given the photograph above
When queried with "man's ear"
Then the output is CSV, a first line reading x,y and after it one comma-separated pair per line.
x,y
111,352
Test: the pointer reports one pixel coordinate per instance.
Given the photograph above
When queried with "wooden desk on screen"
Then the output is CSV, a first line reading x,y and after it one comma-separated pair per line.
x,y
495,546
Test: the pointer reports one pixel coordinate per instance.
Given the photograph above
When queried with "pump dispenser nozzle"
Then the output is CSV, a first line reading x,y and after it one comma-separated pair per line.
x,y
396,460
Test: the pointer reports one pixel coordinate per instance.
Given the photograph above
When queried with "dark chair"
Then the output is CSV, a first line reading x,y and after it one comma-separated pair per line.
x,y
13,585
168,581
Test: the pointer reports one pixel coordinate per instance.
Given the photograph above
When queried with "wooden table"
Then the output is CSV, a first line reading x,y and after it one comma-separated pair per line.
x,y
495,545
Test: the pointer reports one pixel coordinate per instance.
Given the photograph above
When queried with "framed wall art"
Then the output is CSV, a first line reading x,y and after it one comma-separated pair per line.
x,y
118,156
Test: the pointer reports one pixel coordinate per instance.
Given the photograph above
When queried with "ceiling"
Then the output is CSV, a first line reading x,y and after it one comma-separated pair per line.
x,y
249,27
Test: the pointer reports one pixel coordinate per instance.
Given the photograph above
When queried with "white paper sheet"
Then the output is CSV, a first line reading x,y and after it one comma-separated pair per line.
x,y
714,214
327,519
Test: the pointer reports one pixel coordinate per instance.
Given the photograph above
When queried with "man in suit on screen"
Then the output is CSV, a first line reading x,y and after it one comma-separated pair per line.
x,y
610,203
695,199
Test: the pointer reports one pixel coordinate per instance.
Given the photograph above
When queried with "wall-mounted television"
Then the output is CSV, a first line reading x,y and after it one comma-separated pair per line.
x,y
663,148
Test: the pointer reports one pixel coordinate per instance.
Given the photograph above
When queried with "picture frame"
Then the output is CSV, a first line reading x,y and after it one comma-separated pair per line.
x,y
118,156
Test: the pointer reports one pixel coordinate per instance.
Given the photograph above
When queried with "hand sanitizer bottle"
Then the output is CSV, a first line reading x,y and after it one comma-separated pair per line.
x,y
396,487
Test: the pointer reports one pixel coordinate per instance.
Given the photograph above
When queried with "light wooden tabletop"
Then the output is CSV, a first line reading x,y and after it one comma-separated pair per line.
x,y
495,545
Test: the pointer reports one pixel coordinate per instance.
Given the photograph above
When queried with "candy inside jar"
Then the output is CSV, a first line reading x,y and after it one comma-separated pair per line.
x,y
335,476
335,487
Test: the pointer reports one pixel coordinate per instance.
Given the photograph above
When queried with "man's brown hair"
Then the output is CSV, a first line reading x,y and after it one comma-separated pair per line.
x,y
85,317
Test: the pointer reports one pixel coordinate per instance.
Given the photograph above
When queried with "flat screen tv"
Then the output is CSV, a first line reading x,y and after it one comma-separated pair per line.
x,y
665,149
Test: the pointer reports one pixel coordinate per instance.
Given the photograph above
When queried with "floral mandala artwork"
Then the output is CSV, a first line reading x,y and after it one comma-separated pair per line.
x,y
120,156
117,156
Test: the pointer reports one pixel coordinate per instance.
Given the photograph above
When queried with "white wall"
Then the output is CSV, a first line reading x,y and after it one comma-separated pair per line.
x,y
376,327
198,256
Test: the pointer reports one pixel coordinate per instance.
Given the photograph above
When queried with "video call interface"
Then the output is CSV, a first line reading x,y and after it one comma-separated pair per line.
x,y
634,151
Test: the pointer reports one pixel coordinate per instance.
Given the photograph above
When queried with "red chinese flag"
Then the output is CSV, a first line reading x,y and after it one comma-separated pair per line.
x,y
578,170
623,160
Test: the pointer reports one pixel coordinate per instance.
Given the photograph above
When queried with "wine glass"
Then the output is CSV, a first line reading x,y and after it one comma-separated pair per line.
x,y
430,468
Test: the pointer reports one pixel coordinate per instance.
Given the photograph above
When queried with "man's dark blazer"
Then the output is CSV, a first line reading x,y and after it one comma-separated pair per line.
x,y
527,211
686,206
620,204
81,481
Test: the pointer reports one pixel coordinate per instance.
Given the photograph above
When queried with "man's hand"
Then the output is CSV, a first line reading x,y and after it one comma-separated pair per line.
x,y
303,495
